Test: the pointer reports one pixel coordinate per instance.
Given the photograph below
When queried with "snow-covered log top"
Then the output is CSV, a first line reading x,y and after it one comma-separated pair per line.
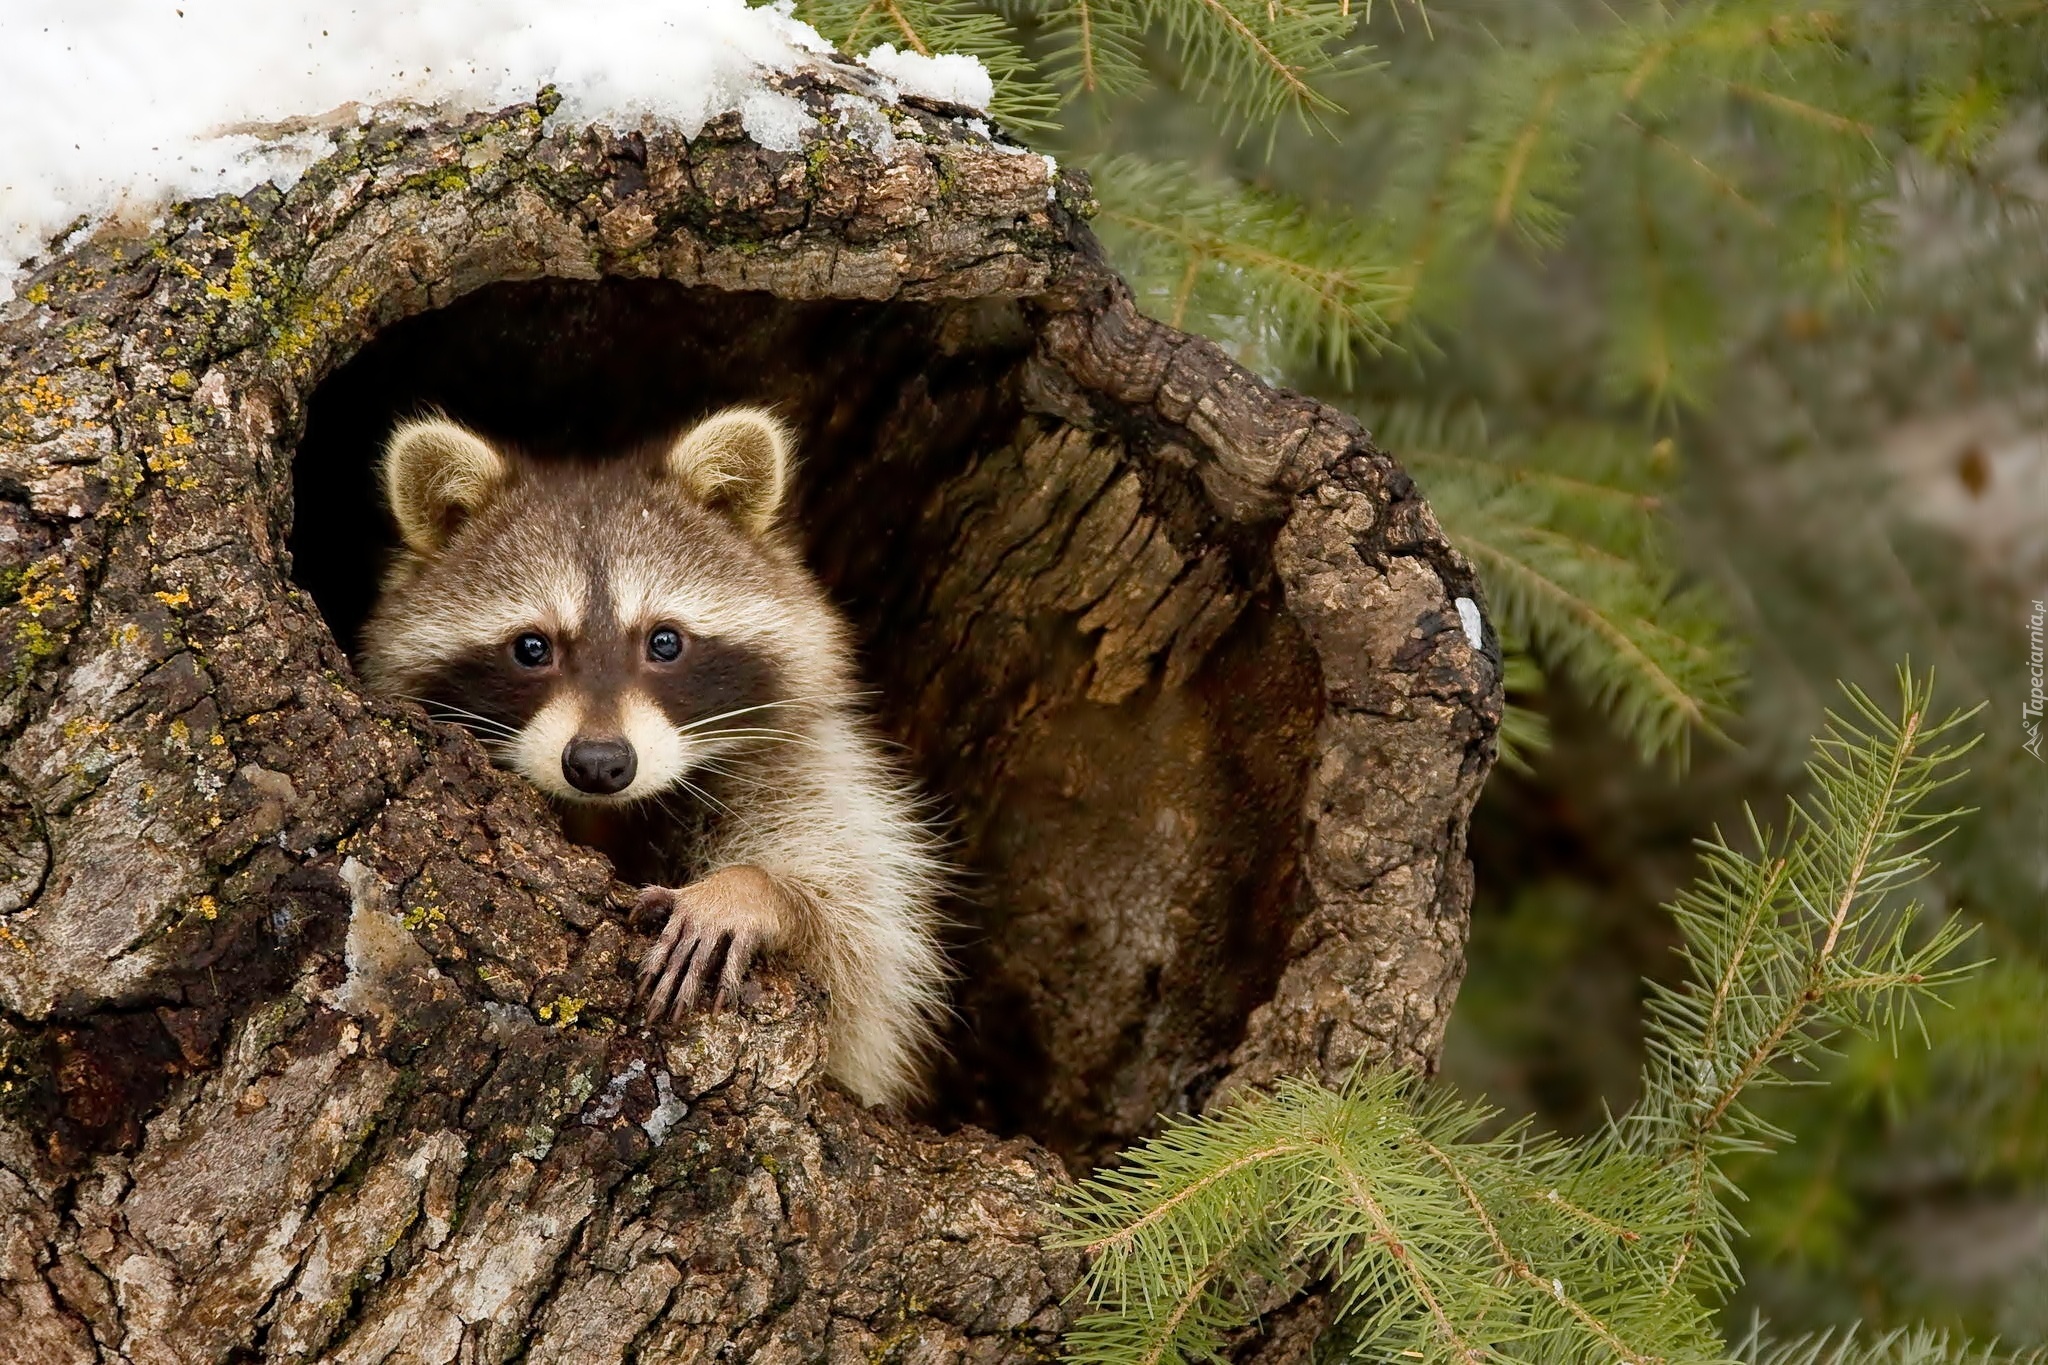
x,y
121,108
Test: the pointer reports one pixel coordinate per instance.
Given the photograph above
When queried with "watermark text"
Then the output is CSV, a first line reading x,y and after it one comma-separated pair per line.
x,y
2037,681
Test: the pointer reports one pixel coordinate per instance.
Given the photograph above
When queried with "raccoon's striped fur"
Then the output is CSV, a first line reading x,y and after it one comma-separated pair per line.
x,y
641,642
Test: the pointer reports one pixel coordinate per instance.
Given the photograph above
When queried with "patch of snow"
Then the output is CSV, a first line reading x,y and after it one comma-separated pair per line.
x,y
117,107
946,77
862,120
775,120
1468,617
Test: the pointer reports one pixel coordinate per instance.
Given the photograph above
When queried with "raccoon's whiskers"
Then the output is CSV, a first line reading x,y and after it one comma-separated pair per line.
x,y
468,720
667,807
712,765
770,736
706,797
481,731
763,706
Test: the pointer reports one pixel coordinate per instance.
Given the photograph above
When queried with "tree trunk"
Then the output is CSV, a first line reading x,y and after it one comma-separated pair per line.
x,y
315,1034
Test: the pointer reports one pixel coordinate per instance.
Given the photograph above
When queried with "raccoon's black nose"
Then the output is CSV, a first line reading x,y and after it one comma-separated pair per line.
x,y
599,766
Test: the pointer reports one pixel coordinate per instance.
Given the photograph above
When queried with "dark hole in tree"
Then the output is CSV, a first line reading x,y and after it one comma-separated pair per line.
x,y
1130,868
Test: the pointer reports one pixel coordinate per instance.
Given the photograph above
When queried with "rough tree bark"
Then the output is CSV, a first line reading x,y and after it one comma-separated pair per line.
x,y
314,1032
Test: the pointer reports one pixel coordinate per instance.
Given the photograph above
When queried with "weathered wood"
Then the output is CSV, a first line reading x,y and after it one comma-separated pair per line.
x,y
315,1035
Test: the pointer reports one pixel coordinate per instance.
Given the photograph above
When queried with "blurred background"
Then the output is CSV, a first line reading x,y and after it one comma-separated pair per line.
x,y
1717,334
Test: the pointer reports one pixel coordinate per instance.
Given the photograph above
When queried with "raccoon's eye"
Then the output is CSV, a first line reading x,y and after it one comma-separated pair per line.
x,y
665,645
531,650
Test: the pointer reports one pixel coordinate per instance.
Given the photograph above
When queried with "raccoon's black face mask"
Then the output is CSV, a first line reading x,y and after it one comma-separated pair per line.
x,y
606,629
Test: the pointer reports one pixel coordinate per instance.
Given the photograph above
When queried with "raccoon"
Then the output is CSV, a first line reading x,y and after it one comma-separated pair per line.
x,y
639,639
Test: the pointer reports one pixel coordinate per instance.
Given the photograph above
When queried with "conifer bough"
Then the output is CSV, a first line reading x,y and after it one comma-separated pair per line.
x,y
313,1028
1441,1245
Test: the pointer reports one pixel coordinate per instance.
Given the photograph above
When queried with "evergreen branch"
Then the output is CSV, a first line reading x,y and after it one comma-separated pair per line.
x,y
1866,848
1094,47
902,24
1084,17
1783,987
1383,1191
1123,1237
1802,109
1756,909
1198,1289
1721,184
850,28
1620,643
1245,264
1586,1216
1750,921
1651,60
1253,61
1575,487
1518,159
1201,248
1289,77
1387,1236
1526,128
1902,1346
1519,1268
1579,547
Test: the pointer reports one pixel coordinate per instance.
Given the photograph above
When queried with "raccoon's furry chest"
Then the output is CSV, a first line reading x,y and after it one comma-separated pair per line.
x,y
669,844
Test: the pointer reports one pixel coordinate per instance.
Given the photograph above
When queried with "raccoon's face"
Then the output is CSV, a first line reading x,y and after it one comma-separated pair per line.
x,y
608,631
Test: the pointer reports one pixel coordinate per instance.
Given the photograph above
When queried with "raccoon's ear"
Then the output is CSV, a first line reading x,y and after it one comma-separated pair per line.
x,y
735,462
435,474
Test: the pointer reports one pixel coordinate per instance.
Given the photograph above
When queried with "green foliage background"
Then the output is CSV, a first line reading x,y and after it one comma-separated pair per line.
x,y
1714,330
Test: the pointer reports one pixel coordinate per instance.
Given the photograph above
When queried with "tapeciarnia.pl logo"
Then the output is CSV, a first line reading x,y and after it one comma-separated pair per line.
x,y
2037,680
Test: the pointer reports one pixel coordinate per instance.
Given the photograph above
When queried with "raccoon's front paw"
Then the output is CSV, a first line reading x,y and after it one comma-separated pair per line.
x,y
715,928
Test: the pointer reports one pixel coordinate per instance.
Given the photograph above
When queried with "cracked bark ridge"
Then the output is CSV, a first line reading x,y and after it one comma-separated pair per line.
x,y
315,1034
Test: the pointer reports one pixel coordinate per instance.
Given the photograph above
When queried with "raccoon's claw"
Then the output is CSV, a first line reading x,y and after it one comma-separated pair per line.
x,y
714,931
684,963
639,903
643,907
